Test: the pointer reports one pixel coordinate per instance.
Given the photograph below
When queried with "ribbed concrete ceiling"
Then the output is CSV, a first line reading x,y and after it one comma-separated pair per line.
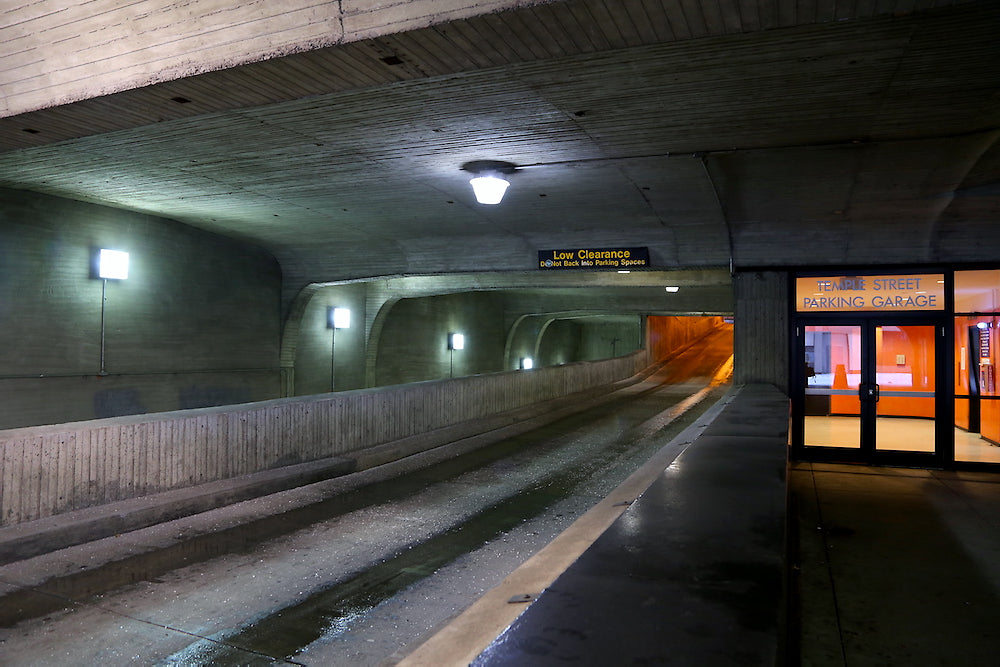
x,y
797,132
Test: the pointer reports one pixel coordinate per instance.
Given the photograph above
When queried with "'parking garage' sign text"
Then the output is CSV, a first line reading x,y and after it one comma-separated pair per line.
x,y
868,293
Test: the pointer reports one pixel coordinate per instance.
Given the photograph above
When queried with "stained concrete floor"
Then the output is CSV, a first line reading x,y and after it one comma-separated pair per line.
x,y
889,566
894,566
228,605
691,574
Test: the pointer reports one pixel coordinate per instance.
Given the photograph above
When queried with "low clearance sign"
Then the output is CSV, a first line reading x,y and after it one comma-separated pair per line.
x,y
593,258
841,294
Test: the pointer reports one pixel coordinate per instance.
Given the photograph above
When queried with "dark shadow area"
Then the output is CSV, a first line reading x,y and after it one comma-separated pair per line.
x,y
894,566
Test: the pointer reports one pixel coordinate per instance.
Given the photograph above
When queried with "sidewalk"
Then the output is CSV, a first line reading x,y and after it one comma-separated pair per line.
x,y
689,574
894,566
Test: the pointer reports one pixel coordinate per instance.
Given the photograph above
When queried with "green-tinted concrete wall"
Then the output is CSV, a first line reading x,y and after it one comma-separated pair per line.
x,y
588,339
322,362
396,340
47,470
559,344
413,344
195,324
606,338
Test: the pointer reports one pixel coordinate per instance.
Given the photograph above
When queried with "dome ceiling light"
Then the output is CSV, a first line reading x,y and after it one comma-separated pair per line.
x,y
489,183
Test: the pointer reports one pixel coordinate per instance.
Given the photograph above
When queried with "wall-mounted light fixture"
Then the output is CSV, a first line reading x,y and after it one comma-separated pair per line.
x,y
110,265
339,318
489,184
336,318
672,288
456,341
527,363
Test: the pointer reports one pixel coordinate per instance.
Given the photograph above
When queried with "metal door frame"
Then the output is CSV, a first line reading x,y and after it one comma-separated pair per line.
x,y
866,453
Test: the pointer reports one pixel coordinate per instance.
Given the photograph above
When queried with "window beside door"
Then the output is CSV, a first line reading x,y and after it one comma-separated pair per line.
x,y
977,400
833,376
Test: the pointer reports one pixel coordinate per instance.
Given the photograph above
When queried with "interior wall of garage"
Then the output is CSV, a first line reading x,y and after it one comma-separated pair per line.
x,y
587,339
195,324
606,338
326,360
761,334
668,334
523,335
410,342
559,343
413,343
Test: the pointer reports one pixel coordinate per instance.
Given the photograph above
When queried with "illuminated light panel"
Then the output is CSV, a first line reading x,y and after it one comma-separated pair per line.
x,y
340,318
112,264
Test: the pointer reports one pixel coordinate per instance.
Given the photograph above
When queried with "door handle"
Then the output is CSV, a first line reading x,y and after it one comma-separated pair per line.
x,y
869,391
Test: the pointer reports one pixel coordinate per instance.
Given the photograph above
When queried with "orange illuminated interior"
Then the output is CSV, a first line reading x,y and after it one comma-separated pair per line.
x,y
900,351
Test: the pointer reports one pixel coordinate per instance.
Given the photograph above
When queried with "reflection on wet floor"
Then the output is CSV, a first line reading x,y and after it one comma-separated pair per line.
x,y
59,593
500,486
330,612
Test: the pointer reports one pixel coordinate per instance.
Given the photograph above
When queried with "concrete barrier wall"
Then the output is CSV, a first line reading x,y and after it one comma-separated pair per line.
x,y
46,470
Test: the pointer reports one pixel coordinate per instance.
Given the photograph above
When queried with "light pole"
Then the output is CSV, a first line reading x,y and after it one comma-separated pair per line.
x,y
336,318
111,265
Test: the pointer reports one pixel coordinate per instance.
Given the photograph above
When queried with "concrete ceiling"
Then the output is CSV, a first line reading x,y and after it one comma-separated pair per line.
x,y
796,133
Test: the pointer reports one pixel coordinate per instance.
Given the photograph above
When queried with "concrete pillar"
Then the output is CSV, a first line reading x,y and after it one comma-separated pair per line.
x,y
761,336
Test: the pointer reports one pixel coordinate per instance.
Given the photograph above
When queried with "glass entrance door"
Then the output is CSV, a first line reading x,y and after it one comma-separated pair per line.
x,y
832,357
906,388
868,389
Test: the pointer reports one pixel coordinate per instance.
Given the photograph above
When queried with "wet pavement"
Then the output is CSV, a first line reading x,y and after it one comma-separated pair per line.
x,y
350,579
894,566
691,573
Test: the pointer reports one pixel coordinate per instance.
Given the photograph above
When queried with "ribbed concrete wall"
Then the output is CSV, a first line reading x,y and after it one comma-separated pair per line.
x,y
760,337
47,470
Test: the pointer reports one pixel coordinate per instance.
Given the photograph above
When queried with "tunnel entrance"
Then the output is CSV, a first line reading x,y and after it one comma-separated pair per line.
x,y
666,335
